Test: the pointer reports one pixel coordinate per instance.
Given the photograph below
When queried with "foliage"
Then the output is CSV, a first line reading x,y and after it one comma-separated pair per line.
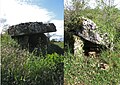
x,y
19,67
54,48
59,43
106,16
82,70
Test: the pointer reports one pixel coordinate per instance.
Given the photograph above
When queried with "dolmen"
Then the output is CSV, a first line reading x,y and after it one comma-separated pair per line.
x,y
87,39
30,35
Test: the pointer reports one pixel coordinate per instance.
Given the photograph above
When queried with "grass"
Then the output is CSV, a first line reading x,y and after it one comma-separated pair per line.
x,y
102,70
60,44
19,67
82,70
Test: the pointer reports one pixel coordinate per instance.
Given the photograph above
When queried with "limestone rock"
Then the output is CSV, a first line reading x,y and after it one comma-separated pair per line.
x,y
31,28
88,31
103,66
78,45
92,54
31,36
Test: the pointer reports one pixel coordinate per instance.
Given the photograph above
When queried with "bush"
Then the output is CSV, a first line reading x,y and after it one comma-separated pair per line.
x,y
19,67
83,70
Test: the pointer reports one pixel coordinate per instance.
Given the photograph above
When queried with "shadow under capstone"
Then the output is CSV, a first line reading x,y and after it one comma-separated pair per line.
x,y
31,36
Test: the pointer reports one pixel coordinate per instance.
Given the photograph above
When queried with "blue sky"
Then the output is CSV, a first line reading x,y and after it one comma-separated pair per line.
x,y
56,6
20,11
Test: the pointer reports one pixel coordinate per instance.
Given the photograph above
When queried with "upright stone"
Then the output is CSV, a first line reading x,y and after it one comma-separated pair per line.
x,y
31,35
93,40
78,46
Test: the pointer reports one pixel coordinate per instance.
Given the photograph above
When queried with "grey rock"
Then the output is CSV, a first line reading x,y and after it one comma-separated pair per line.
x,y
31,36
88,32
31,28
78,45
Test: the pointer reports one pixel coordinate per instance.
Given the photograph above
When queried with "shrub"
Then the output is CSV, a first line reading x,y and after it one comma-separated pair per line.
x,y
19,67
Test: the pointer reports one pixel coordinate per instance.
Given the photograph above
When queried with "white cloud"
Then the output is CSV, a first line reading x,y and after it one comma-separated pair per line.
x,y
19,11
16,12
59,34
59,25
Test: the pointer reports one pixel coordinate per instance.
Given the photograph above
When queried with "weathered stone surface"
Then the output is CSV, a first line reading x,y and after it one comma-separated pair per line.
x,y
87,39
78,46
31,28
34,42
103,66
88,32
31,36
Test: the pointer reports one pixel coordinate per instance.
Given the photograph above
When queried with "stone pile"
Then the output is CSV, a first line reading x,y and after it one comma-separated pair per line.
x,y
31,35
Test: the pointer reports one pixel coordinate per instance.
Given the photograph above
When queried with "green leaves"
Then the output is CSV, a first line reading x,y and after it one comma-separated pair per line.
x,y
19,67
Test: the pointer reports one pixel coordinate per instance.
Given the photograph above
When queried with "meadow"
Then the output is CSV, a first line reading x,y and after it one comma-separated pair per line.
x,y
85,70
19,67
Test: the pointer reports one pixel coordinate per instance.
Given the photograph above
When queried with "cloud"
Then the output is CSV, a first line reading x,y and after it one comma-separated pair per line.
x,y
59,34
16,12
20,11
59,25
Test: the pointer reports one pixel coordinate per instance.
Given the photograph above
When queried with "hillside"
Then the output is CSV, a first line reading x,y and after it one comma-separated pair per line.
x,y
104,68
20,67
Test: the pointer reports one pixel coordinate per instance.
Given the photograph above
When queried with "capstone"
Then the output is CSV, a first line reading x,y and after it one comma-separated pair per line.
x,y
31,35
93,40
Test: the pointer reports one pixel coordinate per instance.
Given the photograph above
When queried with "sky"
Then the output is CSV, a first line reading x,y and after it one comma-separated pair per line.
x,y
13,12
55,6
92,3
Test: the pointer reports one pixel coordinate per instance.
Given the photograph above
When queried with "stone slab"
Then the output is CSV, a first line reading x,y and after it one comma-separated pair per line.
x,y
31,28
87,30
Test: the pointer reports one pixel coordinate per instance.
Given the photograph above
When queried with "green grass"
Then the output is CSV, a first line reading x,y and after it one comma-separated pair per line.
x,y
82,70
60,44
19,67
86,70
